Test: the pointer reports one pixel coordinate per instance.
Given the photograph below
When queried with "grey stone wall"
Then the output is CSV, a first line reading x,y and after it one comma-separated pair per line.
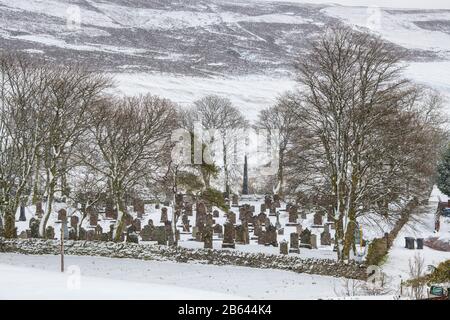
x,y
207,256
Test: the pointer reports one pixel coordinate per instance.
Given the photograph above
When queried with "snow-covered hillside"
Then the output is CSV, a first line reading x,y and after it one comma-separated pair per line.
x,y
240,49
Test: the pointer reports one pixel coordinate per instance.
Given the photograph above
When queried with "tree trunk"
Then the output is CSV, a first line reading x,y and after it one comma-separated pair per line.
x,y
10,230
51,186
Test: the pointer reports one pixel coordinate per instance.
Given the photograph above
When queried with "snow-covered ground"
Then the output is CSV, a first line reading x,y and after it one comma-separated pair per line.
x,y
31,277
397,263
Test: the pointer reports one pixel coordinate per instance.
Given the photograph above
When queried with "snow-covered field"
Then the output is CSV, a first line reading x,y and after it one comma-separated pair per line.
x,y
31,277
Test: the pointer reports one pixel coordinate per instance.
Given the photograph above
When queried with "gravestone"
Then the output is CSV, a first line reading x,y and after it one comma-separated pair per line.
x,y
93,219
185,223
22,216
90,235
98,232
82,234
62,215
74,221
159,235
262,218
325,236
169,233
34,228
280,231
132,236
231,216
216,214
164,216
257,228
313,241
228,235
305,238
303,215
207,237
137,224
262,208
218,229
299,229
284,247
50,233
271,236
293,216
128,219
262,238
294,243
235,200
242,234
139,207
277,223
318,219
23,235
146,233
72,234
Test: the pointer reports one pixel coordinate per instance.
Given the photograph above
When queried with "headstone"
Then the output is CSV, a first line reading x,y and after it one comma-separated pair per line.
x,y
82,234
137,224
23,235
305,238
262,238
231,216
284,247
146,233
22,214
235,200
218,229
207,237
139,207
313,241
98,232
299,229
132,236
228,235
62,215
34,227
90,235
262,208
93,219
293,216
74,221
271,236
160,235
262,218
318,221
242,236
278,224
164,216
216,214
280,231
185,222
50,233
294,243
72,234
325,237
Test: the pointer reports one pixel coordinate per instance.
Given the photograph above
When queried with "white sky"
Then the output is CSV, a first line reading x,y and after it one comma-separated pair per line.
x,y
423,4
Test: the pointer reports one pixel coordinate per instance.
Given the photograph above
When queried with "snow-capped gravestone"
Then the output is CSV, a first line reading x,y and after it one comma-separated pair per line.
x,y
164,216
294,243
325,236
318,219
218,230
62,215
284,247
216,214
132,235
228,235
